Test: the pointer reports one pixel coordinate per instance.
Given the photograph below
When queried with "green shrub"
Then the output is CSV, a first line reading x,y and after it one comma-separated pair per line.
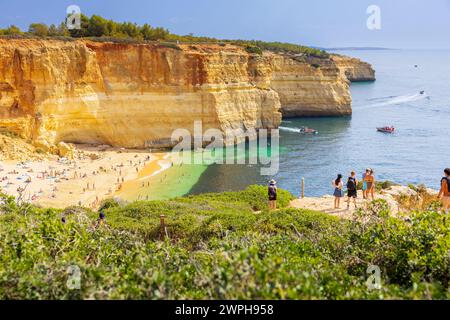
x,y
220,247
108,204
254,50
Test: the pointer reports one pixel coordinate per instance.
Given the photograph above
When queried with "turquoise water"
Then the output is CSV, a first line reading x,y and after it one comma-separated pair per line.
x,y
417,153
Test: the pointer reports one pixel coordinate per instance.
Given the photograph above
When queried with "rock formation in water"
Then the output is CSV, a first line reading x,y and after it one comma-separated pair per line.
x,y
354,69
136,95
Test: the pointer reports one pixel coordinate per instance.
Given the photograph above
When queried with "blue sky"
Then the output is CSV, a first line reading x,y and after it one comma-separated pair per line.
x,y
327,23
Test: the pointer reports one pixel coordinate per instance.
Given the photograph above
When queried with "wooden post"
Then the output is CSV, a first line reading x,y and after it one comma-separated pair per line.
x,y
303,188
162,226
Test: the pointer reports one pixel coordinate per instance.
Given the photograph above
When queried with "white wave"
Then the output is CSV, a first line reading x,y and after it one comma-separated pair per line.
x,y
164,165
381,98
289,129
396,100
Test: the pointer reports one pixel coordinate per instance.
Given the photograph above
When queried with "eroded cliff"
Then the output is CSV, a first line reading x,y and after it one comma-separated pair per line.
x,y
136,95
354,69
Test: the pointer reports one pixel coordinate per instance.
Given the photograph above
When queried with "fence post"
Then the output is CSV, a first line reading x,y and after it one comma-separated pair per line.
x,y
162,226
303,188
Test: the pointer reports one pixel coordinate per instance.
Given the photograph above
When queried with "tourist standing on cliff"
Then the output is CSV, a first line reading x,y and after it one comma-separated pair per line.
x,y
272,193
370,184
364,186
338,192
444,193
352,190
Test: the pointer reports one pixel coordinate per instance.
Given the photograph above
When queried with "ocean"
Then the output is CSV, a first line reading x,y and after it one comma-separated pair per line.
x,y
416,153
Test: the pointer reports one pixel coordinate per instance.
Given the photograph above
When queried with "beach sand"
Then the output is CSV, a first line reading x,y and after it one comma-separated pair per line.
x,y
95,174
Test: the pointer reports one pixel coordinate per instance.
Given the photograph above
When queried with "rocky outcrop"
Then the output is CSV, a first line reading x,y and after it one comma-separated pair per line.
x,y
354,69
136,95
127,95
310,86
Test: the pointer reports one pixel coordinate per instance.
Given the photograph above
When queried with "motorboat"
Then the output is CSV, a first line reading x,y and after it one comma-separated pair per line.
x,y
308,130
386,129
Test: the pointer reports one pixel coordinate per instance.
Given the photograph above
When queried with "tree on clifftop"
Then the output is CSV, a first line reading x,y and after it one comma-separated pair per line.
x,y
11,30
38,29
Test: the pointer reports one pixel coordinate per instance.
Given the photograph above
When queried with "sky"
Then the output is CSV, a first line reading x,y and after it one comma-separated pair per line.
x,y
408,24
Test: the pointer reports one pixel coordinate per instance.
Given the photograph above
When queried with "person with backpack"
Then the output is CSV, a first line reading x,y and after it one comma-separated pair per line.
x,y
444,193
338,192
100,221
352,189
272,193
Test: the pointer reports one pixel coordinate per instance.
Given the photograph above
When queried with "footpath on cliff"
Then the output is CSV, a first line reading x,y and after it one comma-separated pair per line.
x,y
326,203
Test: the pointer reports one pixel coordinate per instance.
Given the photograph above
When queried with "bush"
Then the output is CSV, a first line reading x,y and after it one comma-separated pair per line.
x,y
219,247
254,50
108,204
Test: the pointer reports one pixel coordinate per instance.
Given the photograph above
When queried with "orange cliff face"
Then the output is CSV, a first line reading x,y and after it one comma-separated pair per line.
x,y
136,95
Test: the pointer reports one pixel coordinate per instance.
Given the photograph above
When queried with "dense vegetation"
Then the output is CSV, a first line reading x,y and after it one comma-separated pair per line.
x,y
101,29
221,246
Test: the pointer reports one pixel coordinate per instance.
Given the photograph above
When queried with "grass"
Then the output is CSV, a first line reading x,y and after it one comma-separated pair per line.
x,y
220,246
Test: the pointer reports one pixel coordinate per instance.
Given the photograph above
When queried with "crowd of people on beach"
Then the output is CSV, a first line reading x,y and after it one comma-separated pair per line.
x,y
22,177
367,187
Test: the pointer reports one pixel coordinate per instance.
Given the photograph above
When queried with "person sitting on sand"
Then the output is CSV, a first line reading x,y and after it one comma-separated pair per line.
x,y
352,190
370,183
272,193
444,192
338,192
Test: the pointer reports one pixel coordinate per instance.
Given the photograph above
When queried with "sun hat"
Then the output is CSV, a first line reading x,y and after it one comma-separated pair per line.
x,y
272,182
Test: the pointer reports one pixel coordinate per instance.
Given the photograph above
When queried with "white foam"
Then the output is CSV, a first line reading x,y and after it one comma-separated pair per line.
x,y
164,166
289,129
395,101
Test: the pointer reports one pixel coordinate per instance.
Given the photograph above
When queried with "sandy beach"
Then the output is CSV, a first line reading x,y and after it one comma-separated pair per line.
x,y
93,175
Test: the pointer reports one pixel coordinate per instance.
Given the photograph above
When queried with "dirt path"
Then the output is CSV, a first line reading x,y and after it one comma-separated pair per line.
x,y
326,203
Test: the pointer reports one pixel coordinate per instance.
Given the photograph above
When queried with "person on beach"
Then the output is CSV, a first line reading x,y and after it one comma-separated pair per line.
x,y
272,193
444,192
338,192
370,184
352,189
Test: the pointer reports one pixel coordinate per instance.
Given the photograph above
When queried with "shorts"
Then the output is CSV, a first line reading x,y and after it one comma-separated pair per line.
x,y
272,198
352,193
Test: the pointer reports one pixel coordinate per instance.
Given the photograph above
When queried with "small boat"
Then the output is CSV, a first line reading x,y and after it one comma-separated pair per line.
x,y
386,129
422,92
308,130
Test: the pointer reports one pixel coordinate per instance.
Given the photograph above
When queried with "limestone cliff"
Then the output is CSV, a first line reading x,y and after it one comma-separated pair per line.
x,y
354,69
135,95
310,86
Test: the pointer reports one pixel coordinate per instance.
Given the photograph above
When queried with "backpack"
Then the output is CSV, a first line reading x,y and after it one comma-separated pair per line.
x,y
448,183
351,184
272,191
